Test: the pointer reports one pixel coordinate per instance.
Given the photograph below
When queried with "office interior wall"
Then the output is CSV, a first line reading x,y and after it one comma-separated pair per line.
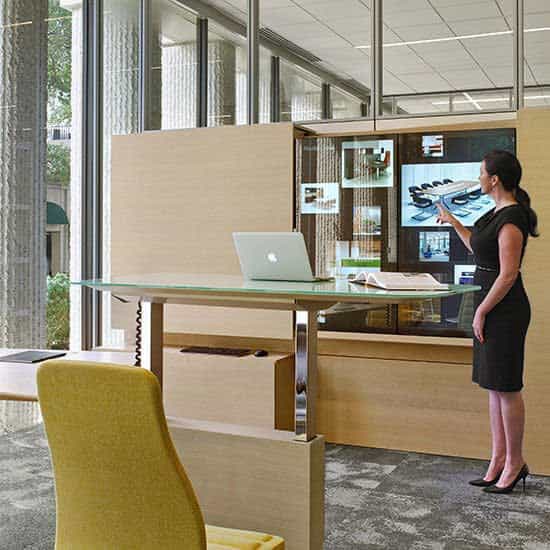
x,y
532,133
365,379
178,195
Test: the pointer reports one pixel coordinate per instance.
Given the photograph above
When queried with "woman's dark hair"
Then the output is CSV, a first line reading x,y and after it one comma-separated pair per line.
x,y
506,166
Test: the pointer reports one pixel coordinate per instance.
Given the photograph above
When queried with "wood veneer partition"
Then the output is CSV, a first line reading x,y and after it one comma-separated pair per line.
x,y
178,195
410,393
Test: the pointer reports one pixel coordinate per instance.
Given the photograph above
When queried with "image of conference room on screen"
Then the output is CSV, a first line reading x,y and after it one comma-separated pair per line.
x,y
464,274
319,198
454,184
432,146
433,246
367,163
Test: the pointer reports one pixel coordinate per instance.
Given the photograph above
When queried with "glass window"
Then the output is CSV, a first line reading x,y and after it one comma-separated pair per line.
x,y
38,55
331,38
448,47
265,86
300,94
173,67
344,105
226,77
121,115
536,37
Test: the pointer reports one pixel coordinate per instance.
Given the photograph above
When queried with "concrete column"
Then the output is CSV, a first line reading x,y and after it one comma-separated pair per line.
x,y
23,98
121,98
221,83
179,75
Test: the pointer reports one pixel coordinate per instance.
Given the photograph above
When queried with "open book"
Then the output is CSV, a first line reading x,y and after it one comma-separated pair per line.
x,y
400,281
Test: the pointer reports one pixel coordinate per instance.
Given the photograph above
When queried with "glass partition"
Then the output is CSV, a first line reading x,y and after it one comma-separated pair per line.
x,y
173,77
300,94
226,77
451,46
325,41
121,115
344,105
536,38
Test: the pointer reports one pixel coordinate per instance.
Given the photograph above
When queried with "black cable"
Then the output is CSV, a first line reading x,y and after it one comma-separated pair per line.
x,y
138,335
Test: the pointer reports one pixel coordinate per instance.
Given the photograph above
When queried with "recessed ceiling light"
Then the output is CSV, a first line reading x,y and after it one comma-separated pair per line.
x,y
489,100
452,38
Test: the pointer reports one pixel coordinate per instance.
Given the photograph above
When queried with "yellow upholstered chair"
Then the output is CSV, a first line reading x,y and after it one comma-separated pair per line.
x,y
118,479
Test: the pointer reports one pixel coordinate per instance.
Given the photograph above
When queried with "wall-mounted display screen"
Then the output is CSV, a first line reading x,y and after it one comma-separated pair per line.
x,y
367,220
432,146
464,274
454,184
367,163
434,246
368,203
320,198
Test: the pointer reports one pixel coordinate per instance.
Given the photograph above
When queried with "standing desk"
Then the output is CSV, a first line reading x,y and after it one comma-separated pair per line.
x,y
306,299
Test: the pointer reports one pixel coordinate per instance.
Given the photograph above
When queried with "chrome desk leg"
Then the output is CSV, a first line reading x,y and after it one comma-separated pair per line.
x,y
306,374
152,321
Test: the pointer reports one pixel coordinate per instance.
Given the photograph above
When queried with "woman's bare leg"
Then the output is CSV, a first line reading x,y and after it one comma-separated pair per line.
x,y
498,437
513,419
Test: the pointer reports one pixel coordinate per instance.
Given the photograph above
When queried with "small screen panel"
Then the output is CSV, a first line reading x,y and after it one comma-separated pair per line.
x,y
367,163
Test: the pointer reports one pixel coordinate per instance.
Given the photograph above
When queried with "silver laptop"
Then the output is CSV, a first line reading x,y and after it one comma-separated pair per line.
x,y
274,256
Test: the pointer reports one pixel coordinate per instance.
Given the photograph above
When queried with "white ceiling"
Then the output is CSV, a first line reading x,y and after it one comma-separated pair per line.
x,y
331,30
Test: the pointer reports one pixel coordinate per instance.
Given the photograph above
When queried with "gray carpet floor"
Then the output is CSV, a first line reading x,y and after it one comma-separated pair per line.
x,y
374,499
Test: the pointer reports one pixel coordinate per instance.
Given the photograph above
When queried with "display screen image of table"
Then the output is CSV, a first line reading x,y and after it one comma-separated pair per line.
x,y
454,185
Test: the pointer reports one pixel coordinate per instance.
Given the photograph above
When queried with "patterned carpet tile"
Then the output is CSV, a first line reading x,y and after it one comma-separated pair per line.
x,y
375,499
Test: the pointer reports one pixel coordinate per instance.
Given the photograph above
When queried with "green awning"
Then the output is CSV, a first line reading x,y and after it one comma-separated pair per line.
x,y
55,215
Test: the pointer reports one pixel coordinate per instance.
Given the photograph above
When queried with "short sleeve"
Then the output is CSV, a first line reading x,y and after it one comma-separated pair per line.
x,y
516,216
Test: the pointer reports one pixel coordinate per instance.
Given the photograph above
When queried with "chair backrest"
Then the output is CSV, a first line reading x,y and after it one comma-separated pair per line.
x,y
118,479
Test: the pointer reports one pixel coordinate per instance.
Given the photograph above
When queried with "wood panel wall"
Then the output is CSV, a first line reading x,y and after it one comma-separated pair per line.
x,y
178,195
533,133
401,392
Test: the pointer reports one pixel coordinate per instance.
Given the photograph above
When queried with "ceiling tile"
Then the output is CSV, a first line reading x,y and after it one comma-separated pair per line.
x,y
462,12
421,32
282,16
467,79
426,82
405,18
342,8
392,6
478,26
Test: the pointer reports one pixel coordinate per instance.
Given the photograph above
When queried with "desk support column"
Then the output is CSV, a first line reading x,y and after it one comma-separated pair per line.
x,y
306,374
152,327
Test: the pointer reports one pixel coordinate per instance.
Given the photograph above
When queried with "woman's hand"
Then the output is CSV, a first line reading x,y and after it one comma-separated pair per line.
x,y
478,325
444,215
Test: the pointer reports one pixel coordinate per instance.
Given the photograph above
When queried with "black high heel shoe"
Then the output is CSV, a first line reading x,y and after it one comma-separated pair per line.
x,y
480,482
523,473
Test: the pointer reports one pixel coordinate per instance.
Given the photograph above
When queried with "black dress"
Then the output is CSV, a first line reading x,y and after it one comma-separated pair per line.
x,y
498,363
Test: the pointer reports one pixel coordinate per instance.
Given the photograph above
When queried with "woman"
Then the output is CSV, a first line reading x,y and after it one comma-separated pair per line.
x,y
502,312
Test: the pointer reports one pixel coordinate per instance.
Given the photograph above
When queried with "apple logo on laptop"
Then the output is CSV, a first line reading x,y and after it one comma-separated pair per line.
x,y
272,257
